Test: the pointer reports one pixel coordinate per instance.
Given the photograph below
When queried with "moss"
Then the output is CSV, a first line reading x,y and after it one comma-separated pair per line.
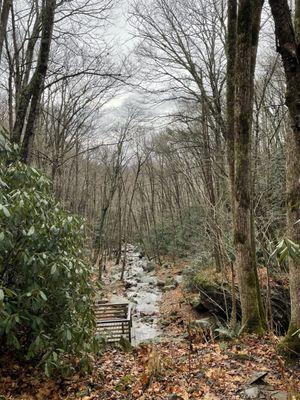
x,y
254,325
289,347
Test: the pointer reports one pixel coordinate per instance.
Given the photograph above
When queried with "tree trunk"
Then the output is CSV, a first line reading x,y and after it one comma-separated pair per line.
x,y
3,22
230,95
288,41
245,261
40,73
31,93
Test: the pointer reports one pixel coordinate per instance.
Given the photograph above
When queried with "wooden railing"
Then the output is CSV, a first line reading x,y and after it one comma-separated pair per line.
x,y
113,320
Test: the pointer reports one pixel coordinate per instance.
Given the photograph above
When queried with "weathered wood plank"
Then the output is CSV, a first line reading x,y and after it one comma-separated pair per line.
x,y
113,320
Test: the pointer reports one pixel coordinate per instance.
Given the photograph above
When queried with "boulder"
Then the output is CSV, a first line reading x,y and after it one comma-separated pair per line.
x,y
216,299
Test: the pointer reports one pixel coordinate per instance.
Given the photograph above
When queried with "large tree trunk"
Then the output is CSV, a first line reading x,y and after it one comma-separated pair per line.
x,y
252,320
3,22
31,93
230,94
288,40
40,73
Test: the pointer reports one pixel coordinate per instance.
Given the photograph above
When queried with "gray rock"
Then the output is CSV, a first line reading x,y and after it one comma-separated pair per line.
x,y
251,393
129,283
258,378
261,392
148,266
178,279
279,395
150,280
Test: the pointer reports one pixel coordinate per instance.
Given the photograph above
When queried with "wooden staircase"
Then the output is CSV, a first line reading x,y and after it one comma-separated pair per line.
x,y
113,320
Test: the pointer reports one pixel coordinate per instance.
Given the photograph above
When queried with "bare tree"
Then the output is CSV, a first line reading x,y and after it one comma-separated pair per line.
x,y
288,39
248,25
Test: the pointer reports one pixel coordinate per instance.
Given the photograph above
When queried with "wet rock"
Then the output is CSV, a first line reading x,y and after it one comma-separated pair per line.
x,y
143,294
129,283
147,313
149,280
148,319
148,266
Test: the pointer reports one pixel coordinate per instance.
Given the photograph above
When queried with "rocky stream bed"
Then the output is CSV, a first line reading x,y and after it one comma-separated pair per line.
x,y
143,292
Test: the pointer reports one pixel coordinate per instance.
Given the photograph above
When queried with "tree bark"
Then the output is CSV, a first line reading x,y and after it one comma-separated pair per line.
x,y
288,45
230,94
40,73
3,22
252,320
31,93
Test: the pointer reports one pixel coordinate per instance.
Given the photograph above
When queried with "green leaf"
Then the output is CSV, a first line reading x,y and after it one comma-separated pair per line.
x,y
69,335
283,254
5,210
54,355
47,372
53,269
43,296
56,248
31,231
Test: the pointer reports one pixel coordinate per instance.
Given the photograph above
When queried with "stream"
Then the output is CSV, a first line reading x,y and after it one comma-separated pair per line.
x,y
142,293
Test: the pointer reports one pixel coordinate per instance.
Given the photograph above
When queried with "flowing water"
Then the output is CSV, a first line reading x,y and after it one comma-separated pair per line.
x,y
143,295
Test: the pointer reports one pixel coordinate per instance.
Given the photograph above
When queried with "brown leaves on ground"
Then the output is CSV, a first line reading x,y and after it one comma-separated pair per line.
x,y
158,371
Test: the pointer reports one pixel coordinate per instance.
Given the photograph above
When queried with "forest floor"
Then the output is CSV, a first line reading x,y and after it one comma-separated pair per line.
x,y
182,365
